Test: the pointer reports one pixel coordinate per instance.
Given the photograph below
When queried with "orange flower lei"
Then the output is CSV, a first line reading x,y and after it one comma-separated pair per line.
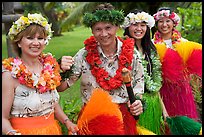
x,y
176,37
48,80
102,77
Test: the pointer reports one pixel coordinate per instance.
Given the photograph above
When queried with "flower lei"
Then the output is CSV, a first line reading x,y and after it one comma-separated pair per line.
x,y
176,37
48,80
166,13
154,80
132,18
102,77
24,22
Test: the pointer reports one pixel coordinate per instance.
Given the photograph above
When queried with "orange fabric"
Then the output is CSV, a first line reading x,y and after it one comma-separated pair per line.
x,y
36,125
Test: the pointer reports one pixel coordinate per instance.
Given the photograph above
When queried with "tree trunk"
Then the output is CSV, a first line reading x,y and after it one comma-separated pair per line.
x,y
8,8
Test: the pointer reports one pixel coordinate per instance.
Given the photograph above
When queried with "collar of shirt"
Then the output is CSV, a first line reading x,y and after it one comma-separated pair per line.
x,y
119,45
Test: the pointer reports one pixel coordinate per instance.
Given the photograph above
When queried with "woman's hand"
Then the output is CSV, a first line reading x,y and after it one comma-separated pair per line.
x,y
136,108
72,128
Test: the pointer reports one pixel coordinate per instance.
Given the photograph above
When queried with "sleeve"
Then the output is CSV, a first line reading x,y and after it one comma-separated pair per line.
x,y
137,74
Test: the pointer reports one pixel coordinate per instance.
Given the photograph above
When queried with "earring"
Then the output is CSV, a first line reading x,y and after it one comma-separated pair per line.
x,y
19,45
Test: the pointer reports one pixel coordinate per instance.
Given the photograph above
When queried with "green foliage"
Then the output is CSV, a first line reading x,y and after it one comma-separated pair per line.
x,y
71,108
192,22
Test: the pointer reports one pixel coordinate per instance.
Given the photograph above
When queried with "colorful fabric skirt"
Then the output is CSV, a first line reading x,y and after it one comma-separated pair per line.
x,y
40,125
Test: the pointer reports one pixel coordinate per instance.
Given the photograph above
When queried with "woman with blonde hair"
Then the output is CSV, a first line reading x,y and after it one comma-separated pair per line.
x,y
29,81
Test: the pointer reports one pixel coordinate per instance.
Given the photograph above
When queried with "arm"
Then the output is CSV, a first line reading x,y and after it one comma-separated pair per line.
x,y
164,111
62,117
136,108
65,64
8,86
75,64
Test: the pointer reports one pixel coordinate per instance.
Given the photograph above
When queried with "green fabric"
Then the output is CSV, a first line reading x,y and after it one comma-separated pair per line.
x,y
151,118
182,125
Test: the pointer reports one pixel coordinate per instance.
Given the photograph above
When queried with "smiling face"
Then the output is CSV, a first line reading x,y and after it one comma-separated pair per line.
x,y
165,26
32,45
138,30
34,35
104,33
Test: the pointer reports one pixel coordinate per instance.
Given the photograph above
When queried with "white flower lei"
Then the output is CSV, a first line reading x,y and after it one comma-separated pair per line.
x,y
132,18
24,22
154,80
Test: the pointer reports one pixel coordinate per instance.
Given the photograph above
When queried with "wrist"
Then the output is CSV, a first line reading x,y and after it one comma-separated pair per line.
x,y
66,120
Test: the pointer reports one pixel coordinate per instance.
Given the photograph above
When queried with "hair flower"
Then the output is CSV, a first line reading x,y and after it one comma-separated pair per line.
x,y
24,22
166,13
132,18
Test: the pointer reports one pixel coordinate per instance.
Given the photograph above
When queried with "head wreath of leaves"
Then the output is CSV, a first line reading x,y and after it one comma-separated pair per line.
x,y
113,16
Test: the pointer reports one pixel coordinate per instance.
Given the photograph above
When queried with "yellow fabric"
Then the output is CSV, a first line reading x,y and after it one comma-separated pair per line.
x,y
185,49
143,131
161,49
200,131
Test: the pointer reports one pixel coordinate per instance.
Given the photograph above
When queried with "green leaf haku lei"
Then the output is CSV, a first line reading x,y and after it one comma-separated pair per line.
x,y
114,16
154,80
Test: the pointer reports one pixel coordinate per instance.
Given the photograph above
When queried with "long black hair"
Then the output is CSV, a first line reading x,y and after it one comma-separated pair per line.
x,y
146,43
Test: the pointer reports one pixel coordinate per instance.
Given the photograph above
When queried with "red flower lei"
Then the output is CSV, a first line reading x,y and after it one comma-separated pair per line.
x,y
102,77
176,37
48,80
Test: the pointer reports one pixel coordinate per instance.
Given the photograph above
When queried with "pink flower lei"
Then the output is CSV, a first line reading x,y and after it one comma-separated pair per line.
x,y
102,77
48,80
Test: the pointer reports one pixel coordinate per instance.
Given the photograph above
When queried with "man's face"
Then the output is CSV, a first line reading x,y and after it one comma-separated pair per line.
x,y
104,33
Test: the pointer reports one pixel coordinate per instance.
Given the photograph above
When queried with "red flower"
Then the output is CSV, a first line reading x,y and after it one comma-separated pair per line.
x,y
102,77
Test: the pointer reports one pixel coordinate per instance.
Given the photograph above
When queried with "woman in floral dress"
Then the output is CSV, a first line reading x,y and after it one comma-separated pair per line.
x,y
137,25
29,81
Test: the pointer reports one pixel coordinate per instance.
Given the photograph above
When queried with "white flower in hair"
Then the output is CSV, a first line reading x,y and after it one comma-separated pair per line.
x,y
132,18
24,22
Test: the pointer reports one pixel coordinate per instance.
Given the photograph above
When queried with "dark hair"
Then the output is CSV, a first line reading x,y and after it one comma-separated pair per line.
x,y
105,6
164,8
146,43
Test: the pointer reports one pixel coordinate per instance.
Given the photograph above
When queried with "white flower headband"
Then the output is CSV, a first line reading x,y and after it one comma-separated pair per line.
x,y
132,18
166,13
24,22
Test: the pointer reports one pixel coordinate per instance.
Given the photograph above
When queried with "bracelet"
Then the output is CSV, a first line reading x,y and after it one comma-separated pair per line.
x,y
11,131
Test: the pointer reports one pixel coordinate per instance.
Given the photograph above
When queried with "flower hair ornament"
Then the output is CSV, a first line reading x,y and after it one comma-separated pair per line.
x,y
114,16
132,18
24,22
166,13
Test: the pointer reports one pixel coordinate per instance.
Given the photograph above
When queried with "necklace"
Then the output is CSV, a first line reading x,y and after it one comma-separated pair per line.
x,y
153,80
176,37
49,78
124,61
